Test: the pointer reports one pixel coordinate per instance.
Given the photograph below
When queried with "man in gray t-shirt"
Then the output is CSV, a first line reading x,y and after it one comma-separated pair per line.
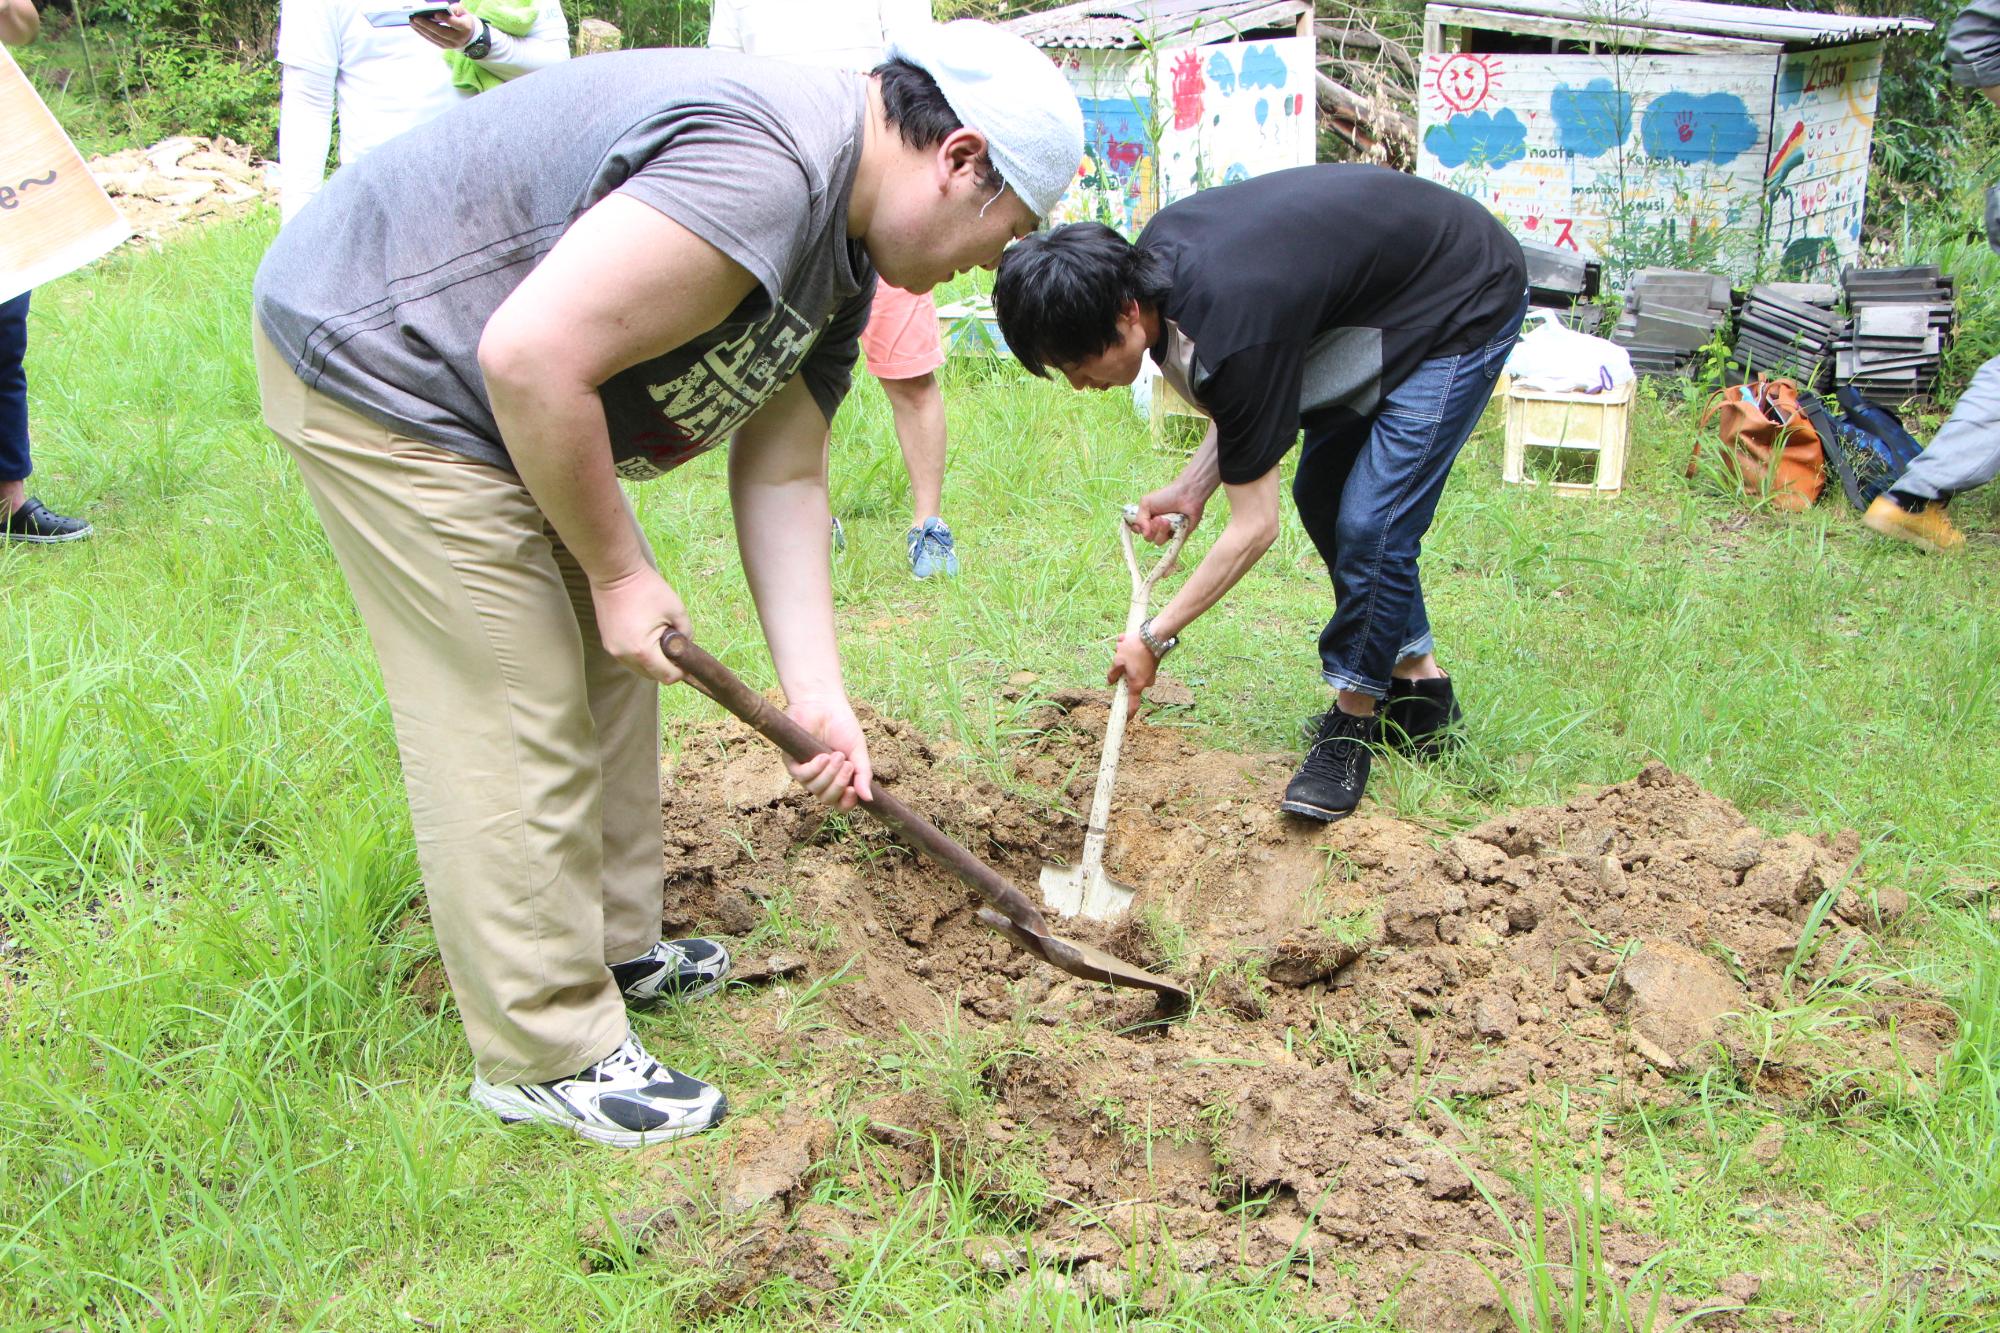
x,y
602,270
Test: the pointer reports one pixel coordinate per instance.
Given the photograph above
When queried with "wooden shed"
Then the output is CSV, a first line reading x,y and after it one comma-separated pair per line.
x,y
1179,95
1659,131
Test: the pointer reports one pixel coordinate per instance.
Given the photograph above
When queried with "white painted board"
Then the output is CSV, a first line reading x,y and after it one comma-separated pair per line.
x,y
1816,179
1159,125
1642,158
1236,110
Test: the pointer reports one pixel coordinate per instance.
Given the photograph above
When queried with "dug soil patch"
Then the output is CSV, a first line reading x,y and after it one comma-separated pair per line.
x,y
1385,1013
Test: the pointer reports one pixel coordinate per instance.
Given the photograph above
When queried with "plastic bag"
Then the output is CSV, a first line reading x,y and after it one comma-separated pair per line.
x,y
1554,359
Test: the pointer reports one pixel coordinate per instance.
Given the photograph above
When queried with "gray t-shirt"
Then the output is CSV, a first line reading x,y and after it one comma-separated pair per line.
x,y
379,290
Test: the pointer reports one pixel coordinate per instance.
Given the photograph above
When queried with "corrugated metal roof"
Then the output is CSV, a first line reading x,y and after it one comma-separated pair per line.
x,y
1793,27
1105,24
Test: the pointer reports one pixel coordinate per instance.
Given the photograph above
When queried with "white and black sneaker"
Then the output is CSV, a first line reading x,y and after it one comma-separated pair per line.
x,y
673,970
628,1099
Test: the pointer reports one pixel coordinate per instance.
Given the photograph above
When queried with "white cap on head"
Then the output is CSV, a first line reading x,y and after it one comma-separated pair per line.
x,y
1012,95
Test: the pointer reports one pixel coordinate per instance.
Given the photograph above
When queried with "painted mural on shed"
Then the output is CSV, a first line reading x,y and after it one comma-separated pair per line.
x,y
1735,152
1179,96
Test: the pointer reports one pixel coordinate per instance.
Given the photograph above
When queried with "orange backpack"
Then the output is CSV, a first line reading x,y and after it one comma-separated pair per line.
x,y
1767,442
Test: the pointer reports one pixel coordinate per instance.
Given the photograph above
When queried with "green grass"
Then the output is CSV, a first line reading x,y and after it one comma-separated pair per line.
x,y
222,1107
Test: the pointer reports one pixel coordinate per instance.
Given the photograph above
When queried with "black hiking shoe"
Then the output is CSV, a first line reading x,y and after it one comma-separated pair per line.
x,y
1420,717
36,522
1329,783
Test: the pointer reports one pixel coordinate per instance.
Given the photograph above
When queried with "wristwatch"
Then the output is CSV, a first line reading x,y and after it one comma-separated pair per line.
x,y
1157,647
481,46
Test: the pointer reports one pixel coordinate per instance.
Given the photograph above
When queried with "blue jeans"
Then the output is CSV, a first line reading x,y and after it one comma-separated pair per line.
x,y
1367,493
14,464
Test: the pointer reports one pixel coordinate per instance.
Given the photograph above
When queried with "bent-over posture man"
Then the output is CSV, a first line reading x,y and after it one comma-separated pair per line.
x,y
1372,308
465,350
1965,453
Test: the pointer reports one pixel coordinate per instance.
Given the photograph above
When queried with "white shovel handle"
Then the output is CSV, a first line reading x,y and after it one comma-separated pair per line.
x,y
1114,730
1142,584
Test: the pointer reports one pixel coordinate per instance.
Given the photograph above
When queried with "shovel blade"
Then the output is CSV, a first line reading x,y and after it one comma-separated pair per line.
x,y
1082,960
1072,891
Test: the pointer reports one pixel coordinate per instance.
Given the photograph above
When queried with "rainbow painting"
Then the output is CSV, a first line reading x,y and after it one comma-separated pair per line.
x,y
1791,155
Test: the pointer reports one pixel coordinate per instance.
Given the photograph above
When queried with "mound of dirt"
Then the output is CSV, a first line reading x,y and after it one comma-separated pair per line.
x,y
1362,985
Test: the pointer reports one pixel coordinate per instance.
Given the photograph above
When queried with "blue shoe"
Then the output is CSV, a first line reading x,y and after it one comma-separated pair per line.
x,y
930,550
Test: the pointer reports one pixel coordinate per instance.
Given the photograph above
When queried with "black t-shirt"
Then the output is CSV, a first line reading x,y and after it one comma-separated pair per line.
x,y
1308,294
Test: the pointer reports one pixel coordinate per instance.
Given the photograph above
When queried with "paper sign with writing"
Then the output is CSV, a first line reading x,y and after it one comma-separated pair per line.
x,y
53,217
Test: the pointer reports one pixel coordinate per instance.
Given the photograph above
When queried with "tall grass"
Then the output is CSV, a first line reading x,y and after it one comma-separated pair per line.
x,y
222,1106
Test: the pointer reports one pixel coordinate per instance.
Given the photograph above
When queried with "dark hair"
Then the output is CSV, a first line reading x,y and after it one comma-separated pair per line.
x,y
915,105
1059,293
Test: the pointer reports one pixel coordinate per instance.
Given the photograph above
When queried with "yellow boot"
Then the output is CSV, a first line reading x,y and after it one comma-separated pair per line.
x,y
1929,527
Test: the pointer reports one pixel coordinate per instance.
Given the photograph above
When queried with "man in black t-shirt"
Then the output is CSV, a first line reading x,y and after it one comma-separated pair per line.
x,y
1371,308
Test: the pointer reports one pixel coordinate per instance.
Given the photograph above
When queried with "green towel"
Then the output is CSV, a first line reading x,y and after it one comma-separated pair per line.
x,y
513,17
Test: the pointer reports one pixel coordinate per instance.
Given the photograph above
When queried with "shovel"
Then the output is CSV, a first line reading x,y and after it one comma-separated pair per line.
x,y
1007,909
1084,888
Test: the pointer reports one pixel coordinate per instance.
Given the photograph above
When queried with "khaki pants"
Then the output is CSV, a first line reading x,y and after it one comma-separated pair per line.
x,y
530,756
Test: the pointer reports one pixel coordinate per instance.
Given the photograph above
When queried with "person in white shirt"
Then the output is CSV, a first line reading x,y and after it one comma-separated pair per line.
x,y
383,80
901,343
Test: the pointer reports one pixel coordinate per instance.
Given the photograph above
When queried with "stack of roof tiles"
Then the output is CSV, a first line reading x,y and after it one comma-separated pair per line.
x,y
1669,315
1788,329
1899,321
1563,281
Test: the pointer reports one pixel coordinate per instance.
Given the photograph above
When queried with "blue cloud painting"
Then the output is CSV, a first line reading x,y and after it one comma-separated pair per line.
x,y
1480,139
1591,120
1263,67
1690,128
1221,73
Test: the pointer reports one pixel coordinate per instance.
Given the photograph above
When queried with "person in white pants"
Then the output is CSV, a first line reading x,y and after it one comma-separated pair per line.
x,y
901,343
382,80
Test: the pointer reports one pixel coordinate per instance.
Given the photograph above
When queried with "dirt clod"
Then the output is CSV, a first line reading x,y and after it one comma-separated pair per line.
x,y
768,967
1674,998
1495,1016
1451,1292
1025,1294
1741,1288
997,1254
